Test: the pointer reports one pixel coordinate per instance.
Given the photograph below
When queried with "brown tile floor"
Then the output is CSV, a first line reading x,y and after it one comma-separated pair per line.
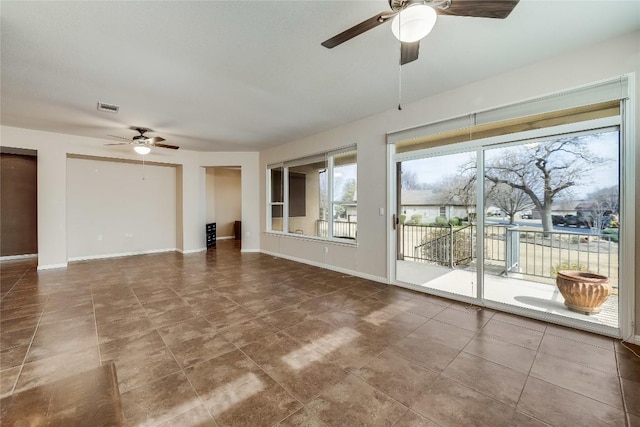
x,y
223,338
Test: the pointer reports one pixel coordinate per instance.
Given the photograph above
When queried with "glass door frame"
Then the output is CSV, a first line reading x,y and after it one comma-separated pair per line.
x,y
626,296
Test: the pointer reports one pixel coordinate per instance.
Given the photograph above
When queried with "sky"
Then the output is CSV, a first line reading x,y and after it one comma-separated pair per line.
x,y
434,170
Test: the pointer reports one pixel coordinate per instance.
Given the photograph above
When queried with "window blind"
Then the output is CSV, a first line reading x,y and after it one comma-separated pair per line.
x,y
585,103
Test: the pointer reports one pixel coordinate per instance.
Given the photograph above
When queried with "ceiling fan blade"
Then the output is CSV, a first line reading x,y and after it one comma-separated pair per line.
x,y
358,29
119,143
480,8
409,52
172,147
120,137
155,139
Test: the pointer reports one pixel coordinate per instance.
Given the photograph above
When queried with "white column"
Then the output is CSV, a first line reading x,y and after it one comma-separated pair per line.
x,y
193,207
52,208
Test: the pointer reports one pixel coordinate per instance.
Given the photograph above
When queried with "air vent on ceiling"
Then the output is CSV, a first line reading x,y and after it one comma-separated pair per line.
x,y
110,108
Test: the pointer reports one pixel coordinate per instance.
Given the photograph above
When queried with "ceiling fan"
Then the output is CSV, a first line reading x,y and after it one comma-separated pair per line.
x,y
412,20
142,144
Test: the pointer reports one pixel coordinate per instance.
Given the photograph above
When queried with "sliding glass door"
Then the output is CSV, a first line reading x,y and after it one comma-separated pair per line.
x,y
495,223
437,226
552,207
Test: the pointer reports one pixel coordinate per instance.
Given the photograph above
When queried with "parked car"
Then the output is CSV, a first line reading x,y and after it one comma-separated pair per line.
x,y
578,221
572,220
527,216
557,220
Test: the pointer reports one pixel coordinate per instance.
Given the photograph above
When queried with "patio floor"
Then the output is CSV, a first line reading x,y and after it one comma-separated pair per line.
x,y
508,290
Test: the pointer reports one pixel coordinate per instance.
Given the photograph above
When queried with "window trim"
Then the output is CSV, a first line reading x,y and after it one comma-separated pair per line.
x,y
330,165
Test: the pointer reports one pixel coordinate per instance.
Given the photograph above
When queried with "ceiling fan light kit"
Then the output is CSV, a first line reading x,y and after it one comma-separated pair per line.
x,y
414,23
141,149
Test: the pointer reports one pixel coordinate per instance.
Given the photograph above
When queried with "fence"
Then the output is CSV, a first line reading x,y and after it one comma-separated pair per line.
x,y
533,253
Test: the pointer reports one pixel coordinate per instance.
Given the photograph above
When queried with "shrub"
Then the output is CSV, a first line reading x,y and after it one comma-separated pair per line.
x,y
611,234
455,221
441,220
416,218
564,265
403,218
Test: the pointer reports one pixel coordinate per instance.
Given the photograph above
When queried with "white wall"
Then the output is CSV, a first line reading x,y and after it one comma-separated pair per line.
x,y
210,195
52,150
119,208
599,62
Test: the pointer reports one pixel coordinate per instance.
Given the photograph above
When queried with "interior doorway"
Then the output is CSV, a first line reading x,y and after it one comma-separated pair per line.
x,y
19,213
224,204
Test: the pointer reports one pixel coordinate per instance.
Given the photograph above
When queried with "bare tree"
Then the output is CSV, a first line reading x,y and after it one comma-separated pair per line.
x,y
609,196
600,206
460,189
410,181
510,200
543,171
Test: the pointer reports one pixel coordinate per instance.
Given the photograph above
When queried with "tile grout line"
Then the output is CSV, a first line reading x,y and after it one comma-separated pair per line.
x,y
35,331
302,405
531,367
15,284
95,324
627,418
188,380
441,373
174,357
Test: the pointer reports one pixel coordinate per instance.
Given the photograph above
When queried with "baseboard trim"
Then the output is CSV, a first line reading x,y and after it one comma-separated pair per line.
x,y
190,251
225,237
329,267
52,266
121,254
16,257
247,251
637,339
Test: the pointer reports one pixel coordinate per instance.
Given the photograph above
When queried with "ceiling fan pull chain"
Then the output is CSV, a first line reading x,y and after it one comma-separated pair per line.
x,y
400,64
400,88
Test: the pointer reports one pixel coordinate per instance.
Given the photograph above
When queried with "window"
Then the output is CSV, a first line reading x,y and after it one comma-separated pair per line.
x,y
443,211
321,195
277,198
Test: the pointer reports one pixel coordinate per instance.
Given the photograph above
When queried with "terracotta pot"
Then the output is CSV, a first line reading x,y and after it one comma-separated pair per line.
x,y
583,292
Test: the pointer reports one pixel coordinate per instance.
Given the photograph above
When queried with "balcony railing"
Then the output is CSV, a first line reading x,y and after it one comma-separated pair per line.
x,y
341,229
531,253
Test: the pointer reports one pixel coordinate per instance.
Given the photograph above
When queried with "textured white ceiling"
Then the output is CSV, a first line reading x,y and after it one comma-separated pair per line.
x,y
246,75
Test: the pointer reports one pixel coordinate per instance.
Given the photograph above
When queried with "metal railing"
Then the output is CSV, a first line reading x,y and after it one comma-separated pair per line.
x,y
443,245
342,229
542,254
533,253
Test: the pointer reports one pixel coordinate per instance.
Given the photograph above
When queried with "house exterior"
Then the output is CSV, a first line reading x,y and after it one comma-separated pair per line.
x,y
431,204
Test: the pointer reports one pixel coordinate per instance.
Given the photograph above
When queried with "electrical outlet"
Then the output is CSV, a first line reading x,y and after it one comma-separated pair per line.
x,y
99,236
326,249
